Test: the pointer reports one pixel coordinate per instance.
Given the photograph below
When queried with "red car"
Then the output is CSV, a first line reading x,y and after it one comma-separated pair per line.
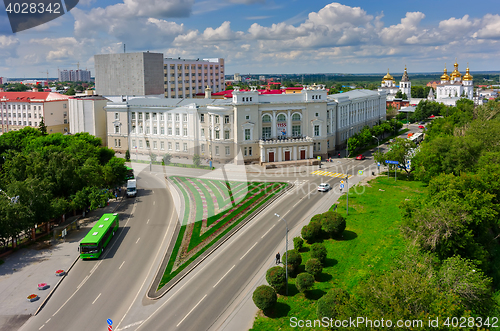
x,y
360,157
421,126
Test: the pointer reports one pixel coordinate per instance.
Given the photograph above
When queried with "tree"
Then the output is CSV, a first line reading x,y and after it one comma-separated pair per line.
x,y
42,127
331,304
318,251
400,150
196,160
298,243
127,156
276,277
152,157
333,224
294,261
311,231
314,267
167,158
399,94
264,297
304,282
70,91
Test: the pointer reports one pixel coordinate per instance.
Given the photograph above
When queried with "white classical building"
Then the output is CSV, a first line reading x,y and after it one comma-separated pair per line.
x,y
455,87
263,127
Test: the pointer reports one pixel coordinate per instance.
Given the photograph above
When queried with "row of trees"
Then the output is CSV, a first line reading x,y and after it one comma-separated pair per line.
x,y
365,136
52,175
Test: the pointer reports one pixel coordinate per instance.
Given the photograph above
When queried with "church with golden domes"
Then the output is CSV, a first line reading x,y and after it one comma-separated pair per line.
x,y
389,85
455,86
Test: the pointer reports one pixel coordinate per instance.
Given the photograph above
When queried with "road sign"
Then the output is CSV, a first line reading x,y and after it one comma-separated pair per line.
x,y
341,186
408,161
360,172
110,328
110,322
319,158
341,182
391,162
378,164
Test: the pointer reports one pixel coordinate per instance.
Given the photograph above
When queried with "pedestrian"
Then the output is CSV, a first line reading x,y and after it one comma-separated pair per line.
x,y
278,258
339,155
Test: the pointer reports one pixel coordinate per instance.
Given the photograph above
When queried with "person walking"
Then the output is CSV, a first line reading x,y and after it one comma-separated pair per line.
x,y
278,258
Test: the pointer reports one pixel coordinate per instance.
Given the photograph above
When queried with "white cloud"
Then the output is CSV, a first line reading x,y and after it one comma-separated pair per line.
x,y
490,27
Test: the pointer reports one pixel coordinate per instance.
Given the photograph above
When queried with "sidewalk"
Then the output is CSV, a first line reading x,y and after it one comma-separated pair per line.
x,y
25,269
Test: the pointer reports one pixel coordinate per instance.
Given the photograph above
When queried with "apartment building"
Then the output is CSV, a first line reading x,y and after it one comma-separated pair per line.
x,y
21,109
185,78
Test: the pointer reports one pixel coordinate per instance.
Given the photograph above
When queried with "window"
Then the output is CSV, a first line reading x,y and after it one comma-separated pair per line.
x,y
140,143
169,131
226,119
169,117
202,148
317,114
216,150
155,145
162,130
203,132
177,148
245,151
296,117
184,132
147,116
177,117
117,116
316,130
116,142
217,134
133,143
162,117
247,117
327,129
217,119
250,151
202,118
154,116
185,118
140,116
296,130
226,134
147,130
328,143
133,116
247,134
266,132
177,131
227,150
155,130
266,119
185,147
169,146
117,129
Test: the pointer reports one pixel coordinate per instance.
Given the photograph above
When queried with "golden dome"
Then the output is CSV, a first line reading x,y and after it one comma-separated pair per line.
x,y
388,76
467,75
456,73
445,74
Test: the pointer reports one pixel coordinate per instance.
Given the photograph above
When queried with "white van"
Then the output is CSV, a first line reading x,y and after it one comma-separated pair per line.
x,y
131,187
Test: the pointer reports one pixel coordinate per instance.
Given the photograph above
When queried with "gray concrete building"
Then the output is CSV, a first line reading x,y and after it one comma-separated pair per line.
x,y
129,74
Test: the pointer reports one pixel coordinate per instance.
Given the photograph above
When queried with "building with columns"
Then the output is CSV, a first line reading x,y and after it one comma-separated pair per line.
x,y
260,127
455,87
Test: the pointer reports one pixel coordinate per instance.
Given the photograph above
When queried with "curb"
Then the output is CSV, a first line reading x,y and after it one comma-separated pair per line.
x,y
67,272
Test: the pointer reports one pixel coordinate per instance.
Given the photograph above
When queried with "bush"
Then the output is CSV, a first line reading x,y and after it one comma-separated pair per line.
x,y
304,282
264,297
293,271
276,277
329,304
333,224
318,251
298,243
314,267
127,156
196,160
311,232
316,218
167,158
294,258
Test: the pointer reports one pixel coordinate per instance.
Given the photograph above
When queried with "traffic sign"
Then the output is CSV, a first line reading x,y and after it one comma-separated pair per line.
x,y
110,322
341,182
110,328
319,158
360,172
341,186
391,162
378,164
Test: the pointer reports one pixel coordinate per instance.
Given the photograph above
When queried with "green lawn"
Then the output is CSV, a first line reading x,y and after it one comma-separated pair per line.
x,y
371,240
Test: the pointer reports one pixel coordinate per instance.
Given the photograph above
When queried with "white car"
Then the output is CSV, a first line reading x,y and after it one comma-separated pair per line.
x,y
324,187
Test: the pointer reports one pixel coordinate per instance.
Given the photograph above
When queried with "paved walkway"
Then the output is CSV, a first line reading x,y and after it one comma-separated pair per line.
x,y
25,269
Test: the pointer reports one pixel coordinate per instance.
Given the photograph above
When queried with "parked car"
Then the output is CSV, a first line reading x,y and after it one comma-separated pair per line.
x,y
421,126
324,187
360,157
421,122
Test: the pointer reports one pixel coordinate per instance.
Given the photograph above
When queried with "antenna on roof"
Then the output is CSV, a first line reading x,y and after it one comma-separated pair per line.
x,y
124,48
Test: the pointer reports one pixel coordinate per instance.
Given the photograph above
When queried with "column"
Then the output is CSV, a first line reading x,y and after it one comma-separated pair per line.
x,y
279,154
310,151
294,153
289,125
262,154
273,125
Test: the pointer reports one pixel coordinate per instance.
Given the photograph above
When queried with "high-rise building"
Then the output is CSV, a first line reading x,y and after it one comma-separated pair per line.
x,y
74,75
185,78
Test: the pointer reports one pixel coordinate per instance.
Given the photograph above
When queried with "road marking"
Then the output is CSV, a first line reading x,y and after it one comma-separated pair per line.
x,y
129,326
224,275
268,230
96,298
83,281
138,240
147,221
41,327
121,265
191,310
47,321
154,203
241,258
296,204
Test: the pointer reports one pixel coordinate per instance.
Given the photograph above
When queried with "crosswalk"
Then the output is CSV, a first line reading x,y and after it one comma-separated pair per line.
x,y
329,174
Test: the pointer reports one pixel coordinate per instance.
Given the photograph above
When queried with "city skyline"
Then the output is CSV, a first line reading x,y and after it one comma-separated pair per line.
x,y
266,37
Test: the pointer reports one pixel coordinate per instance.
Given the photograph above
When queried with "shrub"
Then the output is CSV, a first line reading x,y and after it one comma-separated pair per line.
x,y
298,243
167,158
264,297
318,251
316,218
292,271
127,156
276,277
314,267
330,304
304,282
311,231
196,160
294,258
333,224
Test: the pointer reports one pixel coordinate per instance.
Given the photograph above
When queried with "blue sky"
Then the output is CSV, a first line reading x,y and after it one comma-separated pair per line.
x,y
264,36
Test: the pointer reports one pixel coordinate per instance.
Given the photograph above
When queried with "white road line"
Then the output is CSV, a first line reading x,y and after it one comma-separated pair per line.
x,y
47,321
191,310
241,258
129,326
96,298
83,281
224,275
296,204
268,230
138,240
154,203
121,265
147,221
41,327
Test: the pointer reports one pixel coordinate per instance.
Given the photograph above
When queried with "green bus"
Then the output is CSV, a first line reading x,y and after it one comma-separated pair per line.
x,y
130,173
93,244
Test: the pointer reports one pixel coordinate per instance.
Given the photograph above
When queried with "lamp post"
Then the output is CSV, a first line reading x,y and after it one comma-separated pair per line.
x,y
378,143
347,146
286,253
210,139
347,197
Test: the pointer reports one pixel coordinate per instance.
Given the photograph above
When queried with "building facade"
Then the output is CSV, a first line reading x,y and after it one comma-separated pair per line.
x,y
74,75
88,114
185,78
260,127
22,109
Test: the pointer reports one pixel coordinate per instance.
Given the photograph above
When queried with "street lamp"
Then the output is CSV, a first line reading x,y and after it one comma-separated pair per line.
x,y
378,142
347,146
286,253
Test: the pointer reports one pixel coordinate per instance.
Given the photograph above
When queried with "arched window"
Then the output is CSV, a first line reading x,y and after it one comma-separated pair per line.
x,y
266,119
296,117
281,118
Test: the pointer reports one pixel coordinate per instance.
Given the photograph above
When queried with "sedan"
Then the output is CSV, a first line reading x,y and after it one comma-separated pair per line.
x,y
421,126
360,157
422,122
324,187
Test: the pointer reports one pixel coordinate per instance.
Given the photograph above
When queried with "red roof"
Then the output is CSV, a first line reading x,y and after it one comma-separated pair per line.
x,y
32,96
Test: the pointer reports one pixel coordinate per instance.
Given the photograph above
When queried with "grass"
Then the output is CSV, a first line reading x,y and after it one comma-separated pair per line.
x,y
371,241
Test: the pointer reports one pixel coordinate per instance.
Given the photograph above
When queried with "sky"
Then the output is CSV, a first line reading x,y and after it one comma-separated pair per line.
x,y
264,36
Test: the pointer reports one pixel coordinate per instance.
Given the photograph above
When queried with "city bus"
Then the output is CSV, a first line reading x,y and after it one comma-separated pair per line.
x,y
130,173
416,137
93,244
